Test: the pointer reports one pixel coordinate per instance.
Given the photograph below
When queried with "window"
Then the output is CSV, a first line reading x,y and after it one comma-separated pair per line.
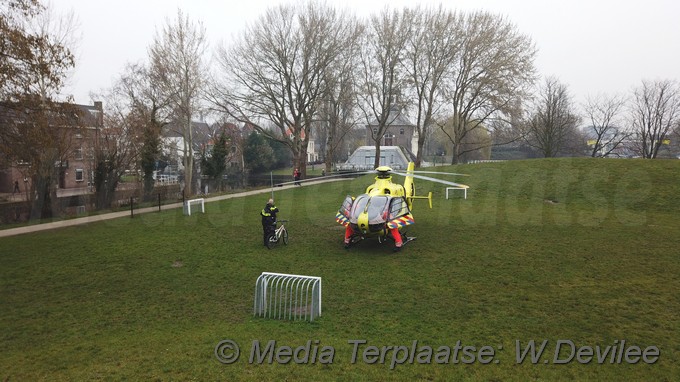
x,y
377,209
78,154
401,131
389,140
398,208
79,175
358,207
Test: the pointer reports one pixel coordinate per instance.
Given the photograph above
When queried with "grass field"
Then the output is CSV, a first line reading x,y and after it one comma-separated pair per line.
x,y
579,250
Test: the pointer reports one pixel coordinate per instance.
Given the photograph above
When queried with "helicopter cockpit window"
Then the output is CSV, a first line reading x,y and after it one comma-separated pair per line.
x,y
377,209
398,208
358,207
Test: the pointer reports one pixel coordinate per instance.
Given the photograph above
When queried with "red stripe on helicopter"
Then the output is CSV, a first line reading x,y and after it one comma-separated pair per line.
x,y
340,218
401,222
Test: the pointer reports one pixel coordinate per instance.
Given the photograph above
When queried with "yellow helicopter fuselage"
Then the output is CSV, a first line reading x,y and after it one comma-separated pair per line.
x,y
384,209
384,186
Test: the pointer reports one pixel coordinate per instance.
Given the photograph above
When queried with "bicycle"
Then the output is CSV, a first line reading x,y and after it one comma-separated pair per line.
x,y
279,234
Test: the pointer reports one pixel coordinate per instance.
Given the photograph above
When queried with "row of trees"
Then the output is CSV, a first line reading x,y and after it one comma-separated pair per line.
x,y
301,66
636,125
468,76
308,66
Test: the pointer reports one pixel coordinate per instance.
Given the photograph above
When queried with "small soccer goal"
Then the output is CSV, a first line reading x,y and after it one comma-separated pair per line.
x,y
284,296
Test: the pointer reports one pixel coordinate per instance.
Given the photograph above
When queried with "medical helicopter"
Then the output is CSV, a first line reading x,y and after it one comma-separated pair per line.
x,y
385,208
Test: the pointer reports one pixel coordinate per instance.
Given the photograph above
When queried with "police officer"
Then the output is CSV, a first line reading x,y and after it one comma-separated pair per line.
x,y
269,220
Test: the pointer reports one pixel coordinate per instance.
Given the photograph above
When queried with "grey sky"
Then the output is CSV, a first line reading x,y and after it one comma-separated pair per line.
x,y
593,46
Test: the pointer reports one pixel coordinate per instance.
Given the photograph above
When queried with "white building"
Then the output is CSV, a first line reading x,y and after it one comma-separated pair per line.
x,y
363,158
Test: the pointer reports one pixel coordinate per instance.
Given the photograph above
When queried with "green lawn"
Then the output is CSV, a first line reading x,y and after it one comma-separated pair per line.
x,y
583,250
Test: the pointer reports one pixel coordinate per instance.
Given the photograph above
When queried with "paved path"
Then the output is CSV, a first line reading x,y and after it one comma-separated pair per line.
x,y
114,215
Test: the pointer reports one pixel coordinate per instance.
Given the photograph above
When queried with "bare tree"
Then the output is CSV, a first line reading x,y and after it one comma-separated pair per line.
x,y
275,73
149,107
379,77
431,46
337,114
675,141
130,135
36,135
476,145
489,77
655,112
552,118
35,129
117,148
606,129
36,50
58,30
178,68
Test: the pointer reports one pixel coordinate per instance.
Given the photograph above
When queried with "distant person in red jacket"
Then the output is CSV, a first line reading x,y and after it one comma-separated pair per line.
x,y
296,177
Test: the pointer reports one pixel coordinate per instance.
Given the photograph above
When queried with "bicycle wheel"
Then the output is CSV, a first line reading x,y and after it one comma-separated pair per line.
x,y
271,241
285,237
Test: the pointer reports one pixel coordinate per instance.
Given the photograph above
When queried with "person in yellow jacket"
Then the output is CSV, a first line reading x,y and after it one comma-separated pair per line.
x,y
268,214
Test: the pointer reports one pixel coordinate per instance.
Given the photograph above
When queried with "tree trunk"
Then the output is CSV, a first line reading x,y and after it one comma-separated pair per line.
x,y
41,206
189,158
148,185
376,162
328,156
455,154
300,162
419,154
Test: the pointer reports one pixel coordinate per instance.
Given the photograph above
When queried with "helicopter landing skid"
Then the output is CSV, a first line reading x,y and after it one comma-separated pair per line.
x,y
353,240
407,240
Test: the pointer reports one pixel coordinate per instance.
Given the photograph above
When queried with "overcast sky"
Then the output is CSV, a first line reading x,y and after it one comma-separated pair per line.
x,y
592,46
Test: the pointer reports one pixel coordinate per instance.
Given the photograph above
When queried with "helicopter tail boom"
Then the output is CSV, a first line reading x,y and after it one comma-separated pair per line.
x,y
410,188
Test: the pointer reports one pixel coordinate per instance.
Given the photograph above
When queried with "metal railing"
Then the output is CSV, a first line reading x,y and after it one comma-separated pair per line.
x,y
284,296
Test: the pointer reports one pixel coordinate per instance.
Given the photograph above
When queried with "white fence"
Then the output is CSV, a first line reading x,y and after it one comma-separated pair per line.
x,y
475,161
283,296
162,179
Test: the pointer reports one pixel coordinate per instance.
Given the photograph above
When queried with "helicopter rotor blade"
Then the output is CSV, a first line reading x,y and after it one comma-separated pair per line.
x,y
349,174
453,184
437,172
